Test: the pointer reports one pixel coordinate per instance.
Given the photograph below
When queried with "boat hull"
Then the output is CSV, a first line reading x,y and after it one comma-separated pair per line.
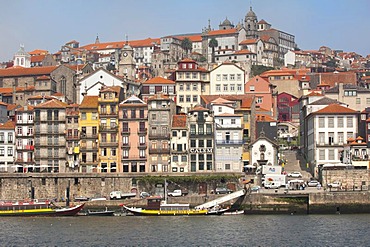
x,y
188,212
43,212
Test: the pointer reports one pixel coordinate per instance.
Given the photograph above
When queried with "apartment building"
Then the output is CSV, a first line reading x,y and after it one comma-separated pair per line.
x,y
201,140
89,131
161,108
24,139
179,144
192,81
108,107
72,138
50,141
133,143
7,147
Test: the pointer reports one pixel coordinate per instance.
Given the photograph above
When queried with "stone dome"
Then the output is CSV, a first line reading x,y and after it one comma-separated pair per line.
x,y
226,22
251,13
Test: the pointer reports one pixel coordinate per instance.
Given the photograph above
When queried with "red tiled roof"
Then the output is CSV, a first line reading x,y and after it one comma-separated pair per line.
x,y
54,103
10,125
37,58
159,80
264,118
245,51
198,108
262,21
90,101
25,108
335,109
179,121
38,52
222,32
11,107
120,44
43,77
248,41
192,38
58,94
20,71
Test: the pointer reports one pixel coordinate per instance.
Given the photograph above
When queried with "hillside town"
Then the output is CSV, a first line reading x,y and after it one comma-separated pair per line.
x,y
225,99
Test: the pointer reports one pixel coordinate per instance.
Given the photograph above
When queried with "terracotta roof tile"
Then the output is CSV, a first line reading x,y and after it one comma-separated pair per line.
x,y
159,80
222,32
179,121
37,58
248,41
90,101
54,103
25,108
10,125
20,71
264,118
43,77
244,51
198,108
38,52
119,44
335,109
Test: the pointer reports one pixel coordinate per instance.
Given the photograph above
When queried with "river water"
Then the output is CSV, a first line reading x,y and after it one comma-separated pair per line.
x,y
238,230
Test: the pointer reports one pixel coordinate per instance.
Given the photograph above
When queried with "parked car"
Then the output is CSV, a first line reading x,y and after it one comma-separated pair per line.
x,y
313,183
255,188
335,184
144,194
223,190
295,175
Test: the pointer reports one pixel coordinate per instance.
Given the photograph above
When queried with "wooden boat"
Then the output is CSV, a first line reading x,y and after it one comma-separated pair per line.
x,y
156,206
36,208
237,212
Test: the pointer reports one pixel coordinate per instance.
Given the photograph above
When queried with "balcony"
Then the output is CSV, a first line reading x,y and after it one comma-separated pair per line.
x,y
106,128
229,142
85,148
175,151
89,136
142,130
158,136
159,150
26,147
108,144
133,158
72,137
108,114
126,131
142,145
193,135
332,144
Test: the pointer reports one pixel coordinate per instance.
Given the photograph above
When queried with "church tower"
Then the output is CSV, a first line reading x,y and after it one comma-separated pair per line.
x,y
22,58
126,66
250,24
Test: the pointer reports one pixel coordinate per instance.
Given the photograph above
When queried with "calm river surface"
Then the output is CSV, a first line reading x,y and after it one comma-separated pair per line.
x,y
240,230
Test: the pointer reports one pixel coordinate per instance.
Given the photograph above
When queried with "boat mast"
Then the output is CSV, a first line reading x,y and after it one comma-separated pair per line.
x,y
165,191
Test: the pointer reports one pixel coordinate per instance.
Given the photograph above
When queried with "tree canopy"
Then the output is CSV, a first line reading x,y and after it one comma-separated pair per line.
x,y
187,45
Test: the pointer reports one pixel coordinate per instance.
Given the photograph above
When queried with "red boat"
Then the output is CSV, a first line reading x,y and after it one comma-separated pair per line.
x,y
36,208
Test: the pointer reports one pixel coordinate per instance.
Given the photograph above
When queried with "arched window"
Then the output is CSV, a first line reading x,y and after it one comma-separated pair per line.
x,y
22,61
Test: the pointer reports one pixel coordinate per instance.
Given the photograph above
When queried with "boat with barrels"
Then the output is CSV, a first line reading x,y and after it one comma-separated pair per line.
x,y
36,207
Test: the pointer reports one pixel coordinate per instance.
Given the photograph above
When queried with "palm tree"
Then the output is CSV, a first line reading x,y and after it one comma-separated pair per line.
x,y
213,43
187,45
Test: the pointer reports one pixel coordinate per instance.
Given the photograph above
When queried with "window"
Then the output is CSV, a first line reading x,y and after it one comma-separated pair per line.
x,y
358,100
201,143
83,115
192,129
188,98
224,77
232,77
251,88
195,98
181,98
321,154
193,143
10,151
195,87
239,77
2,152
226,87
233,121
321,138
259,100
209,143
367,101
321,122
195,76
340,122
218,77
218,87
232,87
239,87
331,154
331,122
181,87
187,75
349,122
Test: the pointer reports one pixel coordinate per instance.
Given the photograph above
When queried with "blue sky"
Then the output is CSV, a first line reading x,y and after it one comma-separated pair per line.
x,y
48,24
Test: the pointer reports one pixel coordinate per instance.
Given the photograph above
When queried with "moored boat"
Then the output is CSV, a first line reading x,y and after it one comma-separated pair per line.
x,y
36,208
237,212
105,212
156,206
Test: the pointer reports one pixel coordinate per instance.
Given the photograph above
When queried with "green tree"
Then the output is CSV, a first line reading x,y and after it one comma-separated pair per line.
x,y
259,69
213,43
187,45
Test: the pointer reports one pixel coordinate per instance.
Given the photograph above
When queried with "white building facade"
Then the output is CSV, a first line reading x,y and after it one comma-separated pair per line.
x,y
227,79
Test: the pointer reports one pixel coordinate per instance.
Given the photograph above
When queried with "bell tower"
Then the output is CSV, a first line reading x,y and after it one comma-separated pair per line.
x,y
126,66
250,24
